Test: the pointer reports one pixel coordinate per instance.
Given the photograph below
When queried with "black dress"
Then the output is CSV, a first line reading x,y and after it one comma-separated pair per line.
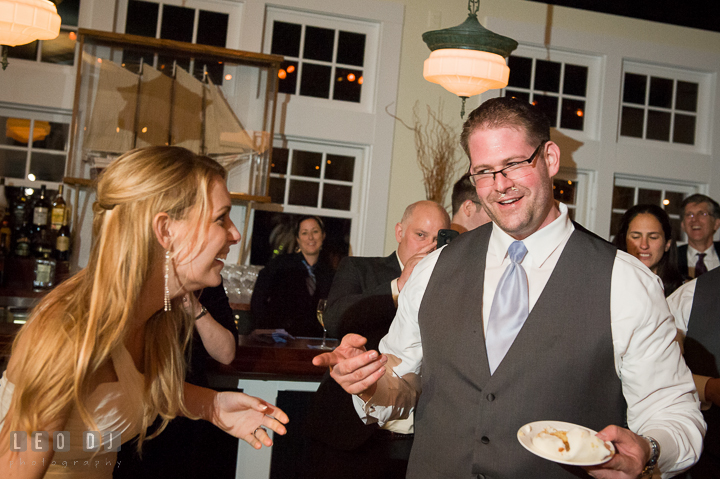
x,y
281,298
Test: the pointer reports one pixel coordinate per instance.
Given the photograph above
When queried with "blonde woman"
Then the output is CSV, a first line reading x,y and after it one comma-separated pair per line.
x,y
104,350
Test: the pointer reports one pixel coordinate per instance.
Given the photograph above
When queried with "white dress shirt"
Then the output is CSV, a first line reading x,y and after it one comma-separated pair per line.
x,y
711,259
656,383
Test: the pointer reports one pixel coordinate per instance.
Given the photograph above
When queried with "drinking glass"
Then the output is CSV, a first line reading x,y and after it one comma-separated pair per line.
x,y
322,304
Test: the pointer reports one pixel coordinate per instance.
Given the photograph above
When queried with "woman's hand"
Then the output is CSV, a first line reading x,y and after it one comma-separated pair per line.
x,y
248,417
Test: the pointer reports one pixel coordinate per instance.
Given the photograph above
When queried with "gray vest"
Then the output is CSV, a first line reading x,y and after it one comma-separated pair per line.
x,y
560,367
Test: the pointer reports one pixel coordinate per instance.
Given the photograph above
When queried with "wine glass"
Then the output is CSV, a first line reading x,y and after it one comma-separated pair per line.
x,y
322,304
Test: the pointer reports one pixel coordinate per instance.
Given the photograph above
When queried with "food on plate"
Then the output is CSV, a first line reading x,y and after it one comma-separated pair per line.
x,y
576,444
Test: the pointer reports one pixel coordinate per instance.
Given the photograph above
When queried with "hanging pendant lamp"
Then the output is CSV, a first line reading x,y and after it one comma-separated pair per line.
x,y
24,21
468,59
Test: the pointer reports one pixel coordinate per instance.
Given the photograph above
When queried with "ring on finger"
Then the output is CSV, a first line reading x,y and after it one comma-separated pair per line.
x,y
259,427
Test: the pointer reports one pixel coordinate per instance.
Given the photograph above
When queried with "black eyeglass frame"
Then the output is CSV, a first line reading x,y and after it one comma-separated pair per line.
x,y
511,167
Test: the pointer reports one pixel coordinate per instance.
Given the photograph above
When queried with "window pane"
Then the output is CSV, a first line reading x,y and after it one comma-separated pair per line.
x,y
658,127
649,197
676,228
50,136
564,191
306,163
336,197
623,197
177,23
277,190
575,80
303,193
573,114
47,166
661,90
68,11
61,50
348,84
520,71
615,223
315,80
319,44
142,18
15,131
686,96
631,123
166,64
12,163
548,105
518,94
24,52
674,200
286,39
287,77
279,160
571,213
547,76
131,59
212,28
634,88
684,130
339,167
351,48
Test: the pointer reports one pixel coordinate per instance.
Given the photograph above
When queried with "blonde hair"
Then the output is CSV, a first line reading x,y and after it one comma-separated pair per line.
x,y
76,326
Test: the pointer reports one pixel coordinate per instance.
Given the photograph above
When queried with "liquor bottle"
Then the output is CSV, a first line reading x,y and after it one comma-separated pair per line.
x,y
41,211
62,241
7,231
44,277
20,207
58,210
22,241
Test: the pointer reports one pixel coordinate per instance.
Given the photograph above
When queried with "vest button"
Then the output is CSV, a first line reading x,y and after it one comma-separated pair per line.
x,y
485,440
491,397
480,476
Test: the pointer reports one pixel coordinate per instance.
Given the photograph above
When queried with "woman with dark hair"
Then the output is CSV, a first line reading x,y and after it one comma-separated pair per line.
x,y
645,232
288,289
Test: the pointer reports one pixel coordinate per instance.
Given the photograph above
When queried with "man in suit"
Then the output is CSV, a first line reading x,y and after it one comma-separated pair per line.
x,y
468,212
528,318
363,300
700,221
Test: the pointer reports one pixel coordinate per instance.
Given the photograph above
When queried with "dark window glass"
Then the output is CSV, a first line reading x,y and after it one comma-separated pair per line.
x,y
303,193
131,59
287,77
631,123
24,52
676,228
306,163
69,11
12,163
634,88
674,200
573,114
661,91
286,39
60,50
615,220
338,167
50,136
47,167
351,48
348,84
623,197
547,76
212,28
142,18
214,70
686,96
279,160
336,197
548,105
518,94
177,23
564,191
575,80
520,71
166,64
319,44
658,125
277,190
571,213
652,197
684,129
315,80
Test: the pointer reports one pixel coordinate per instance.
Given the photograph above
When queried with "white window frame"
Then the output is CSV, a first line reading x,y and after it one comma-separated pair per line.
x,y
702,115
584,194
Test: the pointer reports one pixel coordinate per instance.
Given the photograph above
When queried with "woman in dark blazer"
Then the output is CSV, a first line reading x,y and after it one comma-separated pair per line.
x,y
288,289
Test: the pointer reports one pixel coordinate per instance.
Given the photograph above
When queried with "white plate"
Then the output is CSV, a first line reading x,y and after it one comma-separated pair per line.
x,y
526,434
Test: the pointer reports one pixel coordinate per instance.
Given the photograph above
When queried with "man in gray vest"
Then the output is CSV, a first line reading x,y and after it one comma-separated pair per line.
x,y
527,318
696,308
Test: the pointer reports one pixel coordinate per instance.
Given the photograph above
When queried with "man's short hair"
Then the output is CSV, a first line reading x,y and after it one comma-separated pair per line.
x,y
698,198
462,191
507,112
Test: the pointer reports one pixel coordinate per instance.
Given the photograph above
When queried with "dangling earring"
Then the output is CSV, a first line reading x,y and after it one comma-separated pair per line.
x,y
168,306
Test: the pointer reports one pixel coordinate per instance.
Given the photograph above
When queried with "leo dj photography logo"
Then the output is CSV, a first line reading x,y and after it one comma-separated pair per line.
x,y
92,441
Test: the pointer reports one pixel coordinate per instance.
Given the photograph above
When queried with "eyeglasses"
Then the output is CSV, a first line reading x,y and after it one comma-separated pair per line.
x,y
699,215
513,171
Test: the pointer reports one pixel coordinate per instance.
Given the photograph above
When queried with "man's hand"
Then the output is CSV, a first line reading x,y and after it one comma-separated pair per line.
x,y
712,391
352,367
409,266
632,452
247,418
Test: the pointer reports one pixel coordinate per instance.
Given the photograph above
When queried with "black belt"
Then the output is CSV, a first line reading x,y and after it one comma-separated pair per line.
x,y
392,436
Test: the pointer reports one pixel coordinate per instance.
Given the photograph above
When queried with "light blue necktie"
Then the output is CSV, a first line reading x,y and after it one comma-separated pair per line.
x,y
509,308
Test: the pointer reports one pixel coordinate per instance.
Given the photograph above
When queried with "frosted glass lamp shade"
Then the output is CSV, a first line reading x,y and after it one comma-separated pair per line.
x,y
24,21
466,72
